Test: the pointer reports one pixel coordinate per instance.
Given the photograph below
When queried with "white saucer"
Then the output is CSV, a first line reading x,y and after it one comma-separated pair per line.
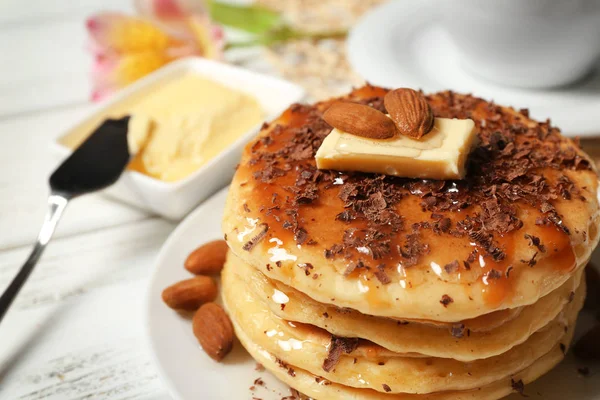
x,y
399,44
187,372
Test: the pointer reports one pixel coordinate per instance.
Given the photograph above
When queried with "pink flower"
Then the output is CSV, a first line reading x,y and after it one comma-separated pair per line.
x,y
127,48
169,9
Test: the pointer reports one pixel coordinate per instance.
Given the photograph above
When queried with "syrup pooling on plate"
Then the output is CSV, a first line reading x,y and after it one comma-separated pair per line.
x,y
382,230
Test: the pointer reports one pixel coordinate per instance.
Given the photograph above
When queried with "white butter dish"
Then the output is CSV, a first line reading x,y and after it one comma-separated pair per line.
x,y
174,200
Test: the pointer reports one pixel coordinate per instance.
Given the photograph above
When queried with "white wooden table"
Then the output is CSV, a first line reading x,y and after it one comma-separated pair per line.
x,y
76,330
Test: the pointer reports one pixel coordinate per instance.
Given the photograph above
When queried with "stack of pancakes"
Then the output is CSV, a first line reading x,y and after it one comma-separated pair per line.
x,y
348,285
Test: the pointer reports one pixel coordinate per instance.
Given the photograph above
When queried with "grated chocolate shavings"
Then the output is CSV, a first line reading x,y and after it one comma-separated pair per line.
x,y
259,382
532,261
345,216
269,174
518,386
322,381
451,267
446,300
412,249
337,346
493,274
300,236
444,224
386,388
472,256
283,365
535,241
307,267
333,251
353,266
294,395
256,239
458,330
381,275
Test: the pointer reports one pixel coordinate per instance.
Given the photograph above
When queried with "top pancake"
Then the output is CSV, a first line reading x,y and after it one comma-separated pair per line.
x,y
517,227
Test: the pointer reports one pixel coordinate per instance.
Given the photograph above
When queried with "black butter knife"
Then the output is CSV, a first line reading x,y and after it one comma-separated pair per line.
x,y
93,166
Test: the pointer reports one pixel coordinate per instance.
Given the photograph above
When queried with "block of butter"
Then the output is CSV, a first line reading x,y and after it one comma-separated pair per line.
x,y
138,132
440,154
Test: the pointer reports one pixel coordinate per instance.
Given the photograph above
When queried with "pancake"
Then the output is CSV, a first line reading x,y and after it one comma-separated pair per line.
x,y
522,222
369,366
413,338
319,388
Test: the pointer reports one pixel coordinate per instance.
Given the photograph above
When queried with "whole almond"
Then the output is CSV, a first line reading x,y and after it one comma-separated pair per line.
x,y
410,112
191,293
207,259
213,329
359,120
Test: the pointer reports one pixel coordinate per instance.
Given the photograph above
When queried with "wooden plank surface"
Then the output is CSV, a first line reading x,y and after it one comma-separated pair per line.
x,y
76,330
18,12
43,58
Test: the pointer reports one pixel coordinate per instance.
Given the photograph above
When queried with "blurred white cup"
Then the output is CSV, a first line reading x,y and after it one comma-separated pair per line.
x,y
524,43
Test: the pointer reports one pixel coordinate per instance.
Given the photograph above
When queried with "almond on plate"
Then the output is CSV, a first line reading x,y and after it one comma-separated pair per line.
x,y
191,293
213,329
207,259
410,112
360,120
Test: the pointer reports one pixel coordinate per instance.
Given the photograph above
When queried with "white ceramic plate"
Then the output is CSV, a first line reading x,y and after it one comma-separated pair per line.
x,y
399,44
189,374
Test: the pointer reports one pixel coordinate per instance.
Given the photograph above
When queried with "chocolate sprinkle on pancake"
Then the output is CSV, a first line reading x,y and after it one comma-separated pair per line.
x,y
256,239
529,194
535,241
446,300
338,346
518,386
458,330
